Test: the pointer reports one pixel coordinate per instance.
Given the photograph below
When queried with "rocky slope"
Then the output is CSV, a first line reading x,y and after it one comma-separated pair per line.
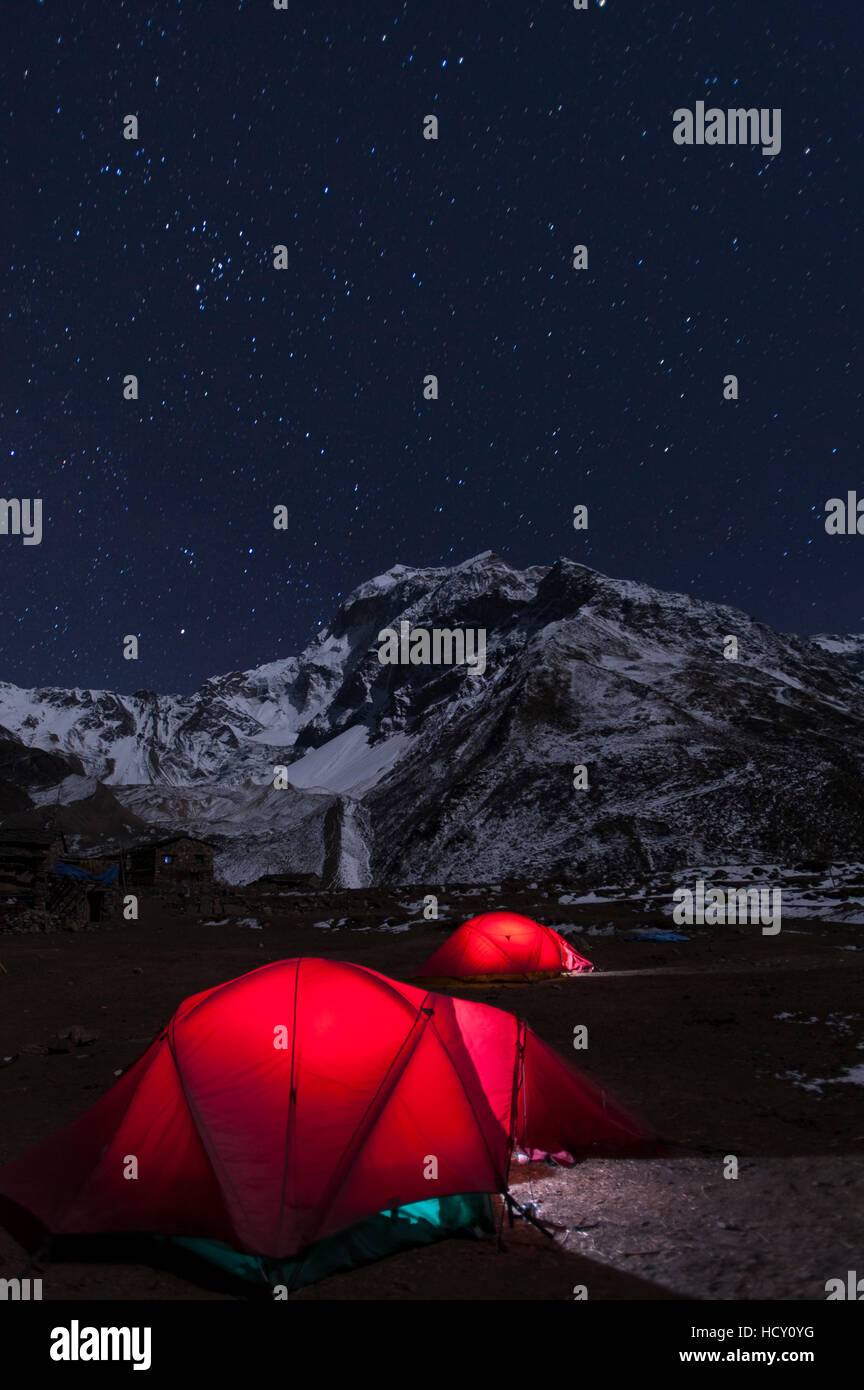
x,y
431,774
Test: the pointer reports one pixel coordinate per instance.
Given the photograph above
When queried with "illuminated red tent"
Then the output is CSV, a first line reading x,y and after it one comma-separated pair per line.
x,y
501,946
297,1101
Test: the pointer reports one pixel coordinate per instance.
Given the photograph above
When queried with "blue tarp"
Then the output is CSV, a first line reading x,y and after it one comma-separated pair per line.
x,y
72,871
656,936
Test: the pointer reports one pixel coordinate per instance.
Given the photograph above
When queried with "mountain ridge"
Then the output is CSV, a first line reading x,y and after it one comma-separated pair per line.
x,y
688,753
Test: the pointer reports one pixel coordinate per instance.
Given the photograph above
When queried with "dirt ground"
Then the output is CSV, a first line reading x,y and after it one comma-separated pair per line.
x,y
730,1044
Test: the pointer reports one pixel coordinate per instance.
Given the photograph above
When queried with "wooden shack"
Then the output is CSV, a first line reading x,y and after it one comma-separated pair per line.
x,y
178,866
89,898
26,859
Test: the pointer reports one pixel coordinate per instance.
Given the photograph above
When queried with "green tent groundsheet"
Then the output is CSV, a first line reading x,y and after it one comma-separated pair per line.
x,y
387,1232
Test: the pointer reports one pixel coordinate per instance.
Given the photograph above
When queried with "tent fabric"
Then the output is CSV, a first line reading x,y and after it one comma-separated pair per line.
x,y
385,1233
294,1102
502,947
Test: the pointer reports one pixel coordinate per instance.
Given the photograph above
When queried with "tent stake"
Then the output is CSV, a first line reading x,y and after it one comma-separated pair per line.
x,y
526,1215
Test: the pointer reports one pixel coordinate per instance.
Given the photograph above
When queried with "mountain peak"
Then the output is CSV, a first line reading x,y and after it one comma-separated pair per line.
x,y
442,774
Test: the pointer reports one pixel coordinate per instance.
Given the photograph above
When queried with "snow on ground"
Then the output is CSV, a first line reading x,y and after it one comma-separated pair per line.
x,y
852,1076
840,910
416,908
838,1022
571,899
826,898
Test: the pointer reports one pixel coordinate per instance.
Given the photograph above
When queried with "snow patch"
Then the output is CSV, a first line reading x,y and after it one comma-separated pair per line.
x,y
348,763
354,870
71,789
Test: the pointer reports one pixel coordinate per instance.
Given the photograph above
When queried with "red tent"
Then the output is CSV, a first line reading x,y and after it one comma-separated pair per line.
x,y
501,946
302,1098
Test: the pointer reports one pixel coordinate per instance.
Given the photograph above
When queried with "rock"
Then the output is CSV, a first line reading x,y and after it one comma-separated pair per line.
x,y
79,1036
29,920
73,1037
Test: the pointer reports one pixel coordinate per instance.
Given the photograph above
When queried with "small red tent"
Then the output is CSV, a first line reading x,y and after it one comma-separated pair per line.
x,y
501,946
301,1099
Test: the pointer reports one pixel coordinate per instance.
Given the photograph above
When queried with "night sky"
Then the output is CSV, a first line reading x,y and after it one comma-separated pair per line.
x,y
406,257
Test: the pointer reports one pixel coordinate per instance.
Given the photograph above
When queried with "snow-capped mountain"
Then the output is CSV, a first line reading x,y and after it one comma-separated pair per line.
x,y
238,726
432,774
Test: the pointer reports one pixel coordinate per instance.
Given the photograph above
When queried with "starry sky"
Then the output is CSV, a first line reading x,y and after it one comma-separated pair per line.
x,y
406,256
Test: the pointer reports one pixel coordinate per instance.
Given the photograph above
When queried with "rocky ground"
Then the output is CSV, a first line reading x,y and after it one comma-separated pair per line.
x,y
730,1043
